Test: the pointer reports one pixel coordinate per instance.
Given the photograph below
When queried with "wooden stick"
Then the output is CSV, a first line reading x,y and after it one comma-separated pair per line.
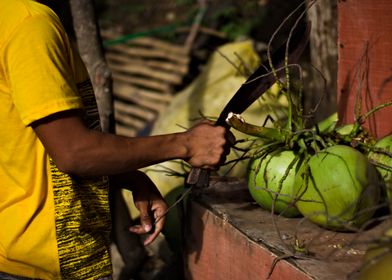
x,y
124,91
147,42
129,121
143,82
195,25
150,53
125,130
158,44
140,70
133,110
148,104
164,65
168,66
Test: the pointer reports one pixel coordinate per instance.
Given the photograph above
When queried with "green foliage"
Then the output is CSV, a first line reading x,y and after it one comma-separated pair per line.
x,y
237,21
185,2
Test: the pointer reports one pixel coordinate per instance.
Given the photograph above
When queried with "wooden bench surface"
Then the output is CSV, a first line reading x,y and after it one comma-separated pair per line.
x,y
228,236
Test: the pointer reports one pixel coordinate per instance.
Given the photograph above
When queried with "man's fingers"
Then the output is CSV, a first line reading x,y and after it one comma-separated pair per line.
x,y
138,229
145,215
144,227
151,238
159,223
146,222
145,219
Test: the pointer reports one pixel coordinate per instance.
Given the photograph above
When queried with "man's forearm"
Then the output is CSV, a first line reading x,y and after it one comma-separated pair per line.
x,y
106,154
79,150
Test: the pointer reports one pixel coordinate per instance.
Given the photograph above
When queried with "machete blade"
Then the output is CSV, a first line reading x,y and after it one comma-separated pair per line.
x,y
257,84
263,77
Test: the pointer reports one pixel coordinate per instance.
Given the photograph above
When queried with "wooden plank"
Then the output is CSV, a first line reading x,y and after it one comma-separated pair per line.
x,y
158,44
134,111
130,93
125,130
148,104
365,60
144,71
142,82
147,42
165,65
223,252
150,73
150,53
170,67
228,236
130,121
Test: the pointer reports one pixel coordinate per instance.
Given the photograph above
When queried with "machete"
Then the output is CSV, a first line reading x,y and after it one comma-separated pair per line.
x,y
257,83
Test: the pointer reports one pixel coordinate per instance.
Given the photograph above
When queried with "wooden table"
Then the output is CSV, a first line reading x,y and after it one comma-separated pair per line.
x,y
230,237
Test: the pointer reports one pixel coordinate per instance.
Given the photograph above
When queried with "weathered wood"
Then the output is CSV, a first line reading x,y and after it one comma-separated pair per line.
x,y
130,121
195,25
143,70
159,44
323,56
125,130
91,50
150,53
365,60
229,236
142,82
168,66
134,110
147,43
148,104
130,93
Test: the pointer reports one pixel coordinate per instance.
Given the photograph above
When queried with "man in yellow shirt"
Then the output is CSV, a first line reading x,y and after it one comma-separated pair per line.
x,y
55,162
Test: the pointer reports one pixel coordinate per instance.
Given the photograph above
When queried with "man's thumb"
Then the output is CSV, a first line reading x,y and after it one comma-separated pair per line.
x,y
146,222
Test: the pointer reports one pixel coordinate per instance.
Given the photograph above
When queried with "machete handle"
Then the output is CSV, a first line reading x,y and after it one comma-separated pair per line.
x,y
198,178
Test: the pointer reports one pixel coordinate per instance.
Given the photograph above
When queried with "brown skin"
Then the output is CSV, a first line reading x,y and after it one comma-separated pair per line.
x,y
148,200
80,151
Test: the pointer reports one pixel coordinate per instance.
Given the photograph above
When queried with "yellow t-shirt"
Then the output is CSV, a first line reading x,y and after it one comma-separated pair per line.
x,y
52,225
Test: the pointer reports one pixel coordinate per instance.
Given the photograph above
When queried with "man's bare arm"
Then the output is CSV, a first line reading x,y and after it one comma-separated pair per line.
x,y
79,150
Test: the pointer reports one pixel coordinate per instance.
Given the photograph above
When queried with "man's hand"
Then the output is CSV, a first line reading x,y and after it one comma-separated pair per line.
x,y
208,145
152,208
148,200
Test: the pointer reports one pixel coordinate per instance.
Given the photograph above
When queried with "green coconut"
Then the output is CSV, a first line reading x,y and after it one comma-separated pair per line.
x,y
271,182
338,188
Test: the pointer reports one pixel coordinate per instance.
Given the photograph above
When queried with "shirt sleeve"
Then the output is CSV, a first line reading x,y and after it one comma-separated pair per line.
x,y
39,69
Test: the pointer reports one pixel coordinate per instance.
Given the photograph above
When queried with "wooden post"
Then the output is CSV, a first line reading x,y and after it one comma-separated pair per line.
x,y
91,50
365,62
323,56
